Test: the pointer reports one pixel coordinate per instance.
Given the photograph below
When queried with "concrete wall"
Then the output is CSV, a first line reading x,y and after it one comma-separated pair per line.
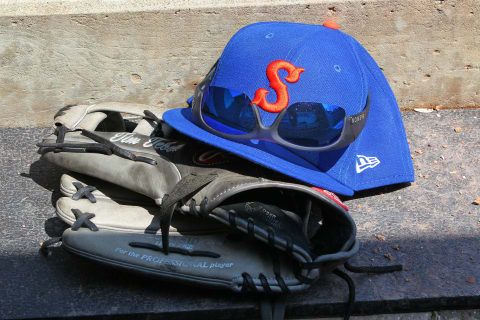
x,y
54,53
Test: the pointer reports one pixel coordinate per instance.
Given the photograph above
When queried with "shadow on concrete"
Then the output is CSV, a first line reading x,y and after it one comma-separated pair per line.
x,y
375,191
54,227
430,282
45,174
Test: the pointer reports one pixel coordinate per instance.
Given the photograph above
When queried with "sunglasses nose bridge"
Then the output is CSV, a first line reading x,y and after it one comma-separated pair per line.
x,y
263,133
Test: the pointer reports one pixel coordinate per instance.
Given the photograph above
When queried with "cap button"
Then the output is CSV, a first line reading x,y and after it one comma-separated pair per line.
x,y
331,25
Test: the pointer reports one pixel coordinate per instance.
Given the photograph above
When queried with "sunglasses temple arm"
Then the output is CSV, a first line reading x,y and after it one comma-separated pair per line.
x,y
357,121
353,126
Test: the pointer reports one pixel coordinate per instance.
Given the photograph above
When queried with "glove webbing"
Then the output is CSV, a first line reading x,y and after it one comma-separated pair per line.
x,y
185,188
102,145
116,149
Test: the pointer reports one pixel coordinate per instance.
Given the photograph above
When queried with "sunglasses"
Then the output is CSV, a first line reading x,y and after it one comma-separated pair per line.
x,y
309,126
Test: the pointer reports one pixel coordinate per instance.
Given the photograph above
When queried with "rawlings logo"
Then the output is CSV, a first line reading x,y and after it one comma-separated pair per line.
x,y
210,158
159,144
277,85
269,217
332,196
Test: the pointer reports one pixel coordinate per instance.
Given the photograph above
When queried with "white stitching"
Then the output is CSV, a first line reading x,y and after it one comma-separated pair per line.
x,y
232,188
83,116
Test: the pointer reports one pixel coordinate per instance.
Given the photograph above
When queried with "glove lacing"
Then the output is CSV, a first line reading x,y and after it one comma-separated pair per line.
x,y
84,192
82,220
101,145
182,191
271,309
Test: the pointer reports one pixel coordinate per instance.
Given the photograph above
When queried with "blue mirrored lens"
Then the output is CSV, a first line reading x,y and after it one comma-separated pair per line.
x,y
311,124
228,111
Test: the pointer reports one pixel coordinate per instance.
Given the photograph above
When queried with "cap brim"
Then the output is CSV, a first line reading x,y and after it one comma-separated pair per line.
x,y
289,164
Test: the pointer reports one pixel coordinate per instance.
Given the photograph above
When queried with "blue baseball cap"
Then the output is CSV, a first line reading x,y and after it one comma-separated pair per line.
x,y
337,71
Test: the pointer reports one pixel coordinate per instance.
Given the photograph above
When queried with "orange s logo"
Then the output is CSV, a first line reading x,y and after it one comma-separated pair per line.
x,y
277,85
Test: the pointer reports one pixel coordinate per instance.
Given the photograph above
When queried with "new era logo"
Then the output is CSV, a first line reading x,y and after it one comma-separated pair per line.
x,y
364,163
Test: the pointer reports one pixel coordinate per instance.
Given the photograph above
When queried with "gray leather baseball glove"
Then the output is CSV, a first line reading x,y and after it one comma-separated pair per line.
x,y
285,235
122,231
